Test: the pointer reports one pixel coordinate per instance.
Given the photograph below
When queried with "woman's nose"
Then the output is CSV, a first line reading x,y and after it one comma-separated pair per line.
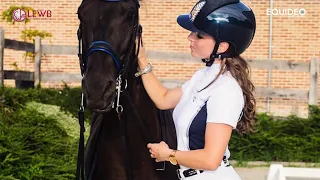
x,y
191,36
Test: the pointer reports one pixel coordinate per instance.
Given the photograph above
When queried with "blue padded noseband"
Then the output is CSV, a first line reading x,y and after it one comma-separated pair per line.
x,y
104,47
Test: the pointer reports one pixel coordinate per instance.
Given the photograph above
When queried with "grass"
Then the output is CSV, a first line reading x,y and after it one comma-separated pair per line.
x,y
254,164
65,119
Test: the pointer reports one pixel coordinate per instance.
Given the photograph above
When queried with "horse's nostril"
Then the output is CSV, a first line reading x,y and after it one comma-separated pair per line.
x,y
98,93
109,86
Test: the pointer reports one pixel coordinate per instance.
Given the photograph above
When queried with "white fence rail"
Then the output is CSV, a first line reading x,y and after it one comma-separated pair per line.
x,y
278,172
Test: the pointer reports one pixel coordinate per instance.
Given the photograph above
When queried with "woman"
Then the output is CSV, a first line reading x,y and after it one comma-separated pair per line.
x,y
216,100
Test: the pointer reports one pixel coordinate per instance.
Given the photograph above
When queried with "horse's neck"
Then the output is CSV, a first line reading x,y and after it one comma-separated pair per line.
x,y
138,93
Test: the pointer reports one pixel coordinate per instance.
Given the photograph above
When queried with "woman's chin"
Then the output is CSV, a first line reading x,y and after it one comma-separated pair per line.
x,y
195,55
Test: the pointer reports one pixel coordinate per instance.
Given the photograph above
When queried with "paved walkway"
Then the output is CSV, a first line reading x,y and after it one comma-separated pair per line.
x,y
255,173
260,173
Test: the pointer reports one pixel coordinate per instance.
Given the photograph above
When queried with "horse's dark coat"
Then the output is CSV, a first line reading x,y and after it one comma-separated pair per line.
x,y
105,157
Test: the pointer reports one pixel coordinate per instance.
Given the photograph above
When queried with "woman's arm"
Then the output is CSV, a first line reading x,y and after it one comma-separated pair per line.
x,y
216,140
163,97
223,110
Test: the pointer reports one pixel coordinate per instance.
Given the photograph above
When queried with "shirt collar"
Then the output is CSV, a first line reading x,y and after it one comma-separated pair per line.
x,y
213,69
209,74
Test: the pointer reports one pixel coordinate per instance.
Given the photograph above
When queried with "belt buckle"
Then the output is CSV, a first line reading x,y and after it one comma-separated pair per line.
x,y
225,163
178,173
189,172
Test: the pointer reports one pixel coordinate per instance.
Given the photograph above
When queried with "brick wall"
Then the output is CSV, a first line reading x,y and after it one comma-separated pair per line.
x,y
294,38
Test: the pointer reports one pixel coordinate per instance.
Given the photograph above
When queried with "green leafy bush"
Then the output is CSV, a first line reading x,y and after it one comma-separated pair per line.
x,y
38,141
34,147
291,140
68,99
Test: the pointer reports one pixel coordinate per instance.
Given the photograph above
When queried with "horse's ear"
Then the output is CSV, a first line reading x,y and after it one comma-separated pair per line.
x,y
81,9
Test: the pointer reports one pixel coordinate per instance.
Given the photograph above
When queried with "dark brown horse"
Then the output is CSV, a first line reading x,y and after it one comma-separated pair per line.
x,y
124,118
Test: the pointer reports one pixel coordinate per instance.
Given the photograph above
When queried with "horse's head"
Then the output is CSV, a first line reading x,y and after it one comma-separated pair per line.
x,y
108,30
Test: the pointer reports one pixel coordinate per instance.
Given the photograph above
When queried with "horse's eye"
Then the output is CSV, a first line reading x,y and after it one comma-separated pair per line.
x,y
130,16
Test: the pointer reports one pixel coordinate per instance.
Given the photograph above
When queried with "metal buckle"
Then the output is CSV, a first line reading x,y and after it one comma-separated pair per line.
x,y
188,173
119,107
178,173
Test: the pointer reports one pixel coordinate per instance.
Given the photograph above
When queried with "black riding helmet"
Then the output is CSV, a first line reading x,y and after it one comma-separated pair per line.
x,y
226,21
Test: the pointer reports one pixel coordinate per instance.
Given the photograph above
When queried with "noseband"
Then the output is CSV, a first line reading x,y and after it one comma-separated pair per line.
x,y
104,47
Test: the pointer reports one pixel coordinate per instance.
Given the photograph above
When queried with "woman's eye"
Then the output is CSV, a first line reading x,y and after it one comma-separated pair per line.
x,y
199,36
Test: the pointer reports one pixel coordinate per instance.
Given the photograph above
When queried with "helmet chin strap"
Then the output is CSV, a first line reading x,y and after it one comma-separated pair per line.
x,y
213,55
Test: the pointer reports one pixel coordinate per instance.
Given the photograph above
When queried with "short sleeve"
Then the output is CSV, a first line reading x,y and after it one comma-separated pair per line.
x,y
225,106
185,85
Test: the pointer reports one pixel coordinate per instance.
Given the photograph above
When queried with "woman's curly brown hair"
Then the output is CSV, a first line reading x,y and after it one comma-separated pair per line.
x,y
240,70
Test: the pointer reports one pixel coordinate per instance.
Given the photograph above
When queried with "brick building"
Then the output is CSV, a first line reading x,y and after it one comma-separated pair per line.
x,y
295,38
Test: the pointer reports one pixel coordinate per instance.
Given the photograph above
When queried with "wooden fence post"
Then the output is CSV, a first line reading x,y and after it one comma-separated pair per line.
x,y
1,57
37,68
313,89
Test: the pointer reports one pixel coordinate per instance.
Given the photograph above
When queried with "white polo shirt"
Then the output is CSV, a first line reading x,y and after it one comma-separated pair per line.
x,y
223,101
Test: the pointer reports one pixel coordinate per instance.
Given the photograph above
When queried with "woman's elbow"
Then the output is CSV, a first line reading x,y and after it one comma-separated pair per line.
x,y
161,106
164,105
211,164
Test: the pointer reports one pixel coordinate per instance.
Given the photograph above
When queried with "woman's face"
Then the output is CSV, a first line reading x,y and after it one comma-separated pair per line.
x,y
201,45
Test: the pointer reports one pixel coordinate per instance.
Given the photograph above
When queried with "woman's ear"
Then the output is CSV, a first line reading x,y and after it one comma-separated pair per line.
x,y
223,47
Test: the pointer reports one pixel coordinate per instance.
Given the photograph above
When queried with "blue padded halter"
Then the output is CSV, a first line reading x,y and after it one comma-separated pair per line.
x,y
108,50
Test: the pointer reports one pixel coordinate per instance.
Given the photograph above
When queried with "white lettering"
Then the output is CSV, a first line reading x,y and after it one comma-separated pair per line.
x,y
302,12
282,12
286,12
275,12
268,12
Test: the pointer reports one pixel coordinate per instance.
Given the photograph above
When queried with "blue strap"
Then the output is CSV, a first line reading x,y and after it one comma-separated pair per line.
x,y
100,42
108,52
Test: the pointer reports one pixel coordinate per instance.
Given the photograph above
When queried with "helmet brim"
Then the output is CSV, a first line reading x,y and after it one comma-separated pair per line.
x,y
185,22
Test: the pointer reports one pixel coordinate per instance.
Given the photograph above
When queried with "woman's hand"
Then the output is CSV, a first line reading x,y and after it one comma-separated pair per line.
x,y
142,56
159,151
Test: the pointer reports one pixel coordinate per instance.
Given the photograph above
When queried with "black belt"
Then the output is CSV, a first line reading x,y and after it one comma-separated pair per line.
x,y
188,172
191,172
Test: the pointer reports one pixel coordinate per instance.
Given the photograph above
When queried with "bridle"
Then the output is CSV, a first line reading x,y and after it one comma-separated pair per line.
x,y
122,70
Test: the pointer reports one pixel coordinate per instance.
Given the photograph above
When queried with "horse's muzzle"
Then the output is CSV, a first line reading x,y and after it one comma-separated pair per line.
x,y
99,97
